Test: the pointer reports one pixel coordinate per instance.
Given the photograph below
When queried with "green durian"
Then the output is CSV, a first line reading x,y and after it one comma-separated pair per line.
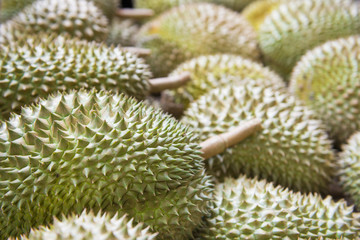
x,y
257,11
78,18
37,67
123,32
327,79
213,71
292,149
96,151
160,6
90,226
297,26
350,168
251,209
8,8
193,30
175,214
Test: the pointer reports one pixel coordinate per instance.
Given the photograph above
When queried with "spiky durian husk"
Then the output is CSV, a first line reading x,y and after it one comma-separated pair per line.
x,y
123,32
78,18
252,209
44,64
193,30
175,214
8,8
292,149
209,72
327,80
108,7
90,226
10,32
160,6
257,11
297,26
88,150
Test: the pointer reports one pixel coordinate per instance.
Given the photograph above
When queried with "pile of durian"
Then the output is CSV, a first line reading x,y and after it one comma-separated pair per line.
x,y
179,119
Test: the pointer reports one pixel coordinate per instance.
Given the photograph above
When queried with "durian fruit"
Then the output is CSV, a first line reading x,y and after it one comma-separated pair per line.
x,y
78,18
350,168
297,26
90,226
123,32
251,209
327,79
193,30
292,149
38,66
213,71
257,11
160,6
98,151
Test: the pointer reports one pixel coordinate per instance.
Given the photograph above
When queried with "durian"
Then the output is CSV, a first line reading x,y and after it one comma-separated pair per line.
x,y
327,79
213,71
350,168
160,6
88,150
193,30
257,11
90,226
123,32
38,67
251,209
297,26
292,150
78,18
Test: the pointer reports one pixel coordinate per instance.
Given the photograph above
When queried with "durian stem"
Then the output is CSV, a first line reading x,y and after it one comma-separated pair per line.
x,y
160,84
142,52
134,13
219,143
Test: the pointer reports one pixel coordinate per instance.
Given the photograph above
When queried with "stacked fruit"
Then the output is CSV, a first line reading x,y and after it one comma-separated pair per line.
x,y
266,93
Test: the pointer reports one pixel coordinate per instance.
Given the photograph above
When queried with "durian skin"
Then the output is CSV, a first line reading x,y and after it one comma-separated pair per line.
x,y
90,226
292,149
327,80
213,71
160,6
175,214
36,67
350,168
88,150
80,18
175,37
251,209
292,29
123,32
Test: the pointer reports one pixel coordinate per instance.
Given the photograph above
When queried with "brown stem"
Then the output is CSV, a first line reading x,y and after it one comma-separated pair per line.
x,y
219,143
159,84
134,13
142,52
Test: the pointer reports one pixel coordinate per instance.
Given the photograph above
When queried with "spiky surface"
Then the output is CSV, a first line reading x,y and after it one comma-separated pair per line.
x,y
10,32
8,8
350,168
37,67
90,226
292,149
252,209
108,7
193,30
87,150
78,18
293,28
257,11
175,214
327,79
209,72
160,6
123,32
